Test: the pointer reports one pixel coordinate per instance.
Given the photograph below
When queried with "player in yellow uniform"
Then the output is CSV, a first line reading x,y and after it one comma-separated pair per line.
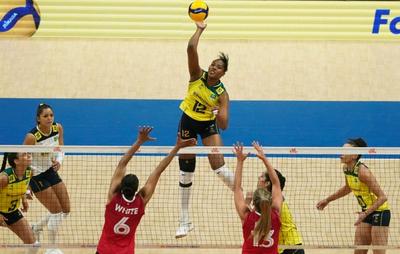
x,y
288,234
205,111
14,182
372,225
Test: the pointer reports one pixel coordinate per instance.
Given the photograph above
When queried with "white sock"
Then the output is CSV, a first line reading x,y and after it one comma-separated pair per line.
x,y
43,222
33,249
185,178
65,215
226,176
185,196
53,225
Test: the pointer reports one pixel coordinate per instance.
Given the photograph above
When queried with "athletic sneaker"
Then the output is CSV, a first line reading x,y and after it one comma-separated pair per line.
x,y
184,229
53,251
37,232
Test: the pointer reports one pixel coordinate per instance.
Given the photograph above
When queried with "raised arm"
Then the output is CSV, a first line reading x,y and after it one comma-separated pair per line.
x,y
193,57
369,179
277,197
148,189
343,191
120,171
240,203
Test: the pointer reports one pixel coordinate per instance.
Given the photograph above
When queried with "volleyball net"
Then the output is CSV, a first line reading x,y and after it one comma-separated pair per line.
x,y
311,175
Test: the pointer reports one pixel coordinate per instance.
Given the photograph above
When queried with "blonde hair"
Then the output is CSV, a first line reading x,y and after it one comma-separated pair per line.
x,y
262,200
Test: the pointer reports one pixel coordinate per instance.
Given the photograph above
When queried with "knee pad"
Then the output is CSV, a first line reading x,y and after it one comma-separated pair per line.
x,y
185,179
187,165
55,220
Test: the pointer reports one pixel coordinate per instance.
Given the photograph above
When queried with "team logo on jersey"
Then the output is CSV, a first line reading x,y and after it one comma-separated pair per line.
x,y
220,90
38,135
11,179
54,128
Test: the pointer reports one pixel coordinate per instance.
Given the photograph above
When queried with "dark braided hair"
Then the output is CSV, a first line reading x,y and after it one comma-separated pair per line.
x,y
11,158
225,59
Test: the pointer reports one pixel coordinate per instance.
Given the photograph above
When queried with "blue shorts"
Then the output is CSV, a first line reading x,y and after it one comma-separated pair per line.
x,y
378,218
12,217
44,180
190,128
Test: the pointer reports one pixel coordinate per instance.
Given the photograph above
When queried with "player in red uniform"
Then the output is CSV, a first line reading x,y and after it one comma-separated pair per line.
x,y
125,207
260,226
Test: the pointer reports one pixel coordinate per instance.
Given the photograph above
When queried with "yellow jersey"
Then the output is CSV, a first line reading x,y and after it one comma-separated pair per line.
x,y
288,235
11,195
364,195
200,99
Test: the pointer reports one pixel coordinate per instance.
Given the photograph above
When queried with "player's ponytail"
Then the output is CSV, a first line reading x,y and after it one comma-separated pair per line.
x,y
225,59
10,157
262,201
3,165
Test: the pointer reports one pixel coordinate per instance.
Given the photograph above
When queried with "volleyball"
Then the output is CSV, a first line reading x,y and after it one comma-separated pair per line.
x,y
198,10
19,18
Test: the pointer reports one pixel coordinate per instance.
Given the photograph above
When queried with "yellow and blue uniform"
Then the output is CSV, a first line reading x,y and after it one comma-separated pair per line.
x,y
201,99
11,195
366,197
288,235
197,107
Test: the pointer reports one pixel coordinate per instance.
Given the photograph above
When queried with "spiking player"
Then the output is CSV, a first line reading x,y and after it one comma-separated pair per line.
x,y
205,110
125,206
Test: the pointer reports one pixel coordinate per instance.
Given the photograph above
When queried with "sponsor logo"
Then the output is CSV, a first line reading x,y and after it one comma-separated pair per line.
x,y
382,18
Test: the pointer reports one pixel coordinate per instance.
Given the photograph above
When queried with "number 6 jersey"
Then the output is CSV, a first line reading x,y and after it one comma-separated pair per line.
x,y
121,220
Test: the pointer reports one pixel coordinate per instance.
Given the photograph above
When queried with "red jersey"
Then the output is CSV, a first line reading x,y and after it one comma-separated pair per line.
x,y
269,245
121,220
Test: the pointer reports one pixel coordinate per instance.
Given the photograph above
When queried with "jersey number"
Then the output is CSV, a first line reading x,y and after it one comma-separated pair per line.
x,y
121,228
199,108
361,202
13,205
267,242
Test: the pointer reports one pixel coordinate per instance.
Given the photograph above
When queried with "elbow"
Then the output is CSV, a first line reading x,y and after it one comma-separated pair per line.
x,y
223,125
190,47
383,198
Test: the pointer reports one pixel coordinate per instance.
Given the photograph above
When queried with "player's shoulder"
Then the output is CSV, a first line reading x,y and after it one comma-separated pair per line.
x,y
33,131
6,172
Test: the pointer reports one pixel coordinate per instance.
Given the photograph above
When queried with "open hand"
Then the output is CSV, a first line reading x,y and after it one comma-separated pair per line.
x,y
238,151
201,25
144,134
260,152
